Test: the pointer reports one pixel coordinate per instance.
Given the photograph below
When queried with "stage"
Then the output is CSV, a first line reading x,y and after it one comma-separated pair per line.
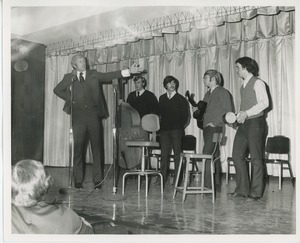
x,y
132,213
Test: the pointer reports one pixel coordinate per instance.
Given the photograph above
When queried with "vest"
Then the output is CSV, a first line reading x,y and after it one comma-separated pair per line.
x,y
248,97
83,99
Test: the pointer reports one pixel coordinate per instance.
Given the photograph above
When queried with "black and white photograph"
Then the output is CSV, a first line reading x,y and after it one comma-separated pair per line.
x,y
165,121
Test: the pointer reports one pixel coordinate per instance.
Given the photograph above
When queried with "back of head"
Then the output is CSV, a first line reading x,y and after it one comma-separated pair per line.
x,y
250,65
29,183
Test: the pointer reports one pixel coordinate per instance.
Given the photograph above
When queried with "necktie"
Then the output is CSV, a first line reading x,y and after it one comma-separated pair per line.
x,y
81,78
138,94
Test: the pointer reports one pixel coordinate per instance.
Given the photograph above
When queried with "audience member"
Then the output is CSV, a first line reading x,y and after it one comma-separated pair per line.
x,y
30,213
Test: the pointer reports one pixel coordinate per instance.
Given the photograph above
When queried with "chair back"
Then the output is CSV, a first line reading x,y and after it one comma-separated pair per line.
x,y
278,145
150,123
189,143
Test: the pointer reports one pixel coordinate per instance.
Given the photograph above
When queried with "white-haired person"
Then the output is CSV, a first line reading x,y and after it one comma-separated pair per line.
x,y
30,213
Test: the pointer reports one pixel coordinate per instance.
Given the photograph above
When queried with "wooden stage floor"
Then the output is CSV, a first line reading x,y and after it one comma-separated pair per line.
x,y
133,213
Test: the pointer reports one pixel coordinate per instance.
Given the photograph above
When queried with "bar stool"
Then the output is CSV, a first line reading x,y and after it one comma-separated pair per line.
x,y
188,146
194,158
150,123
189,158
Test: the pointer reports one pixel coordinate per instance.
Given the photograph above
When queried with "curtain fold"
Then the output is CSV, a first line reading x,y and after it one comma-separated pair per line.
x,y
57,122
187,55
197,18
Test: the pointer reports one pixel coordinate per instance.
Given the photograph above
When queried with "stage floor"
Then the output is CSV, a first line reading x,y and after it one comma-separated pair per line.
x,y
133,213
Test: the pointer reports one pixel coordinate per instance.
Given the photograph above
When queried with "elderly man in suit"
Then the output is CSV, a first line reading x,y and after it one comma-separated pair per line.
x,y
88,110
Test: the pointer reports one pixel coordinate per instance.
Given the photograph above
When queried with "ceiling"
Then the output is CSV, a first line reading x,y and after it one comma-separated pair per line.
x,y
51,24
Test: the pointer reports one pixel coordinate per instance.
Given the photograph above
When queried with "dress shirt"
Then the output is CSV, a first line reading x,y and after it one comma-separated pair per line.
x,y
83,74
125,73
140,92
171,95
261,97
213,88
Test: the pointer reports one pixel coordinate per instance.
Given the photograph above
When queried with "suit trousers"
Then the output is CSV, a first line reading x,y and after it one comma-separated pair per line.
x,y
87,126
249,137
170,139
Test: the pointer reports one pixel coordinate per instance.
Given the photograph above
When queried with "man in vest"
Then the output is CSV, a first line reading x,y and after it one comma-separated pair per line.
x,y
250,132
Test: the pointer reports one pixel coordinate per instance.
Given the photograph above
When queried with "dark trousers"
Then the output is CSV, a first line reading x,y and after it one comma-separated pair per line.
x,y
171,139
88,127
211,147
249,137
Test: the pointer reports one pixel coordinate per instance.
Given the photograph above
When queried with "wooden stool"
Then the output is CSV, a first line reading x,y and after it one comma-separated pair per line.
x,y
191,158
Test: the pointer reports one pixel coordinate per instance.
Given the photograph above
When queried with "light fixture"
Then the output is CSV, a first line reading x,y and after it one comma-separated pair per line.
x,y
21,65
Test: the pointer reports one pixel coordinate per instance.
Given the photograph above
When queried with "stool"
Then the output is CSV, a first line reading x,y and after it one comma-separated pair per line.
x,y
142,171
188,158
150,123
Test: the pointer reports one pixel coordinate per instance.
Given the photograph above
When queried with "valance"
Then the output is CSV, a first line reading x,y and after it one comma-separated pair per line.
x,y
202,21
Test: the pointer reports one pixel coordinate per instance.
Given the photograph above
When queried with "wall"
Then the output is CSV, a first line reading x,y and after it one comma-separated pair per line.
x,y
27,101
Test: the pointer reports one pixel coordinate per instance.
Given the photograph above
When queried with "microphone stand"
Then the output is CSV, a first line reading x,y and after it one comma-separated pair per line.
x,y
116,126
115,133
70,189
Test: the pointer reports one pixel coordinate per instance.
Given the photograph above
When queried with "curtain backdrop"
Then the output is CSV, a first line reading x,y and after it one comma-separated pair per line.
x,y
269,39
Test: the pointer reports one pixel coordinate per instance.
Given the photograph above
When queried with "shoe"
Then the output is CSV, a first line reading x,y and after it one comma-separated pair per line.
x,y
251,198
97,186
234,194
78,185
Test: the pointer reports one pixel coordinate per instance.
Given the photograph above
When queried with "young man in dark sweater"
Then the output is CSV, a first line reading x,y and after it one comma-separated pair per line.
x,y
218,103
174,117
142,100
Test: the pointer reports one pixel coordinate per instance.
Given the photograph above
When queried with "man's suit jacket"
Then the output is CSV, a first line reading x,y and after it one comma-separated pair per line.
x,y
93,81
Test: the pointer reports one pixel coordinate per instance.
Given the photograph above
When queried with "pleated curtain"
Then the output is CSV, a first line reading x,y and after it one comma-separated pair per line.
x,y
186,51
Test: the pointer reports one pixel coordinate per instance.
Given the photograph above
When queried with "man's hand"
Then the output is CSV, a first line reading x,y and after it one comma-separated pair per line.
x,y
135,69
241,116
